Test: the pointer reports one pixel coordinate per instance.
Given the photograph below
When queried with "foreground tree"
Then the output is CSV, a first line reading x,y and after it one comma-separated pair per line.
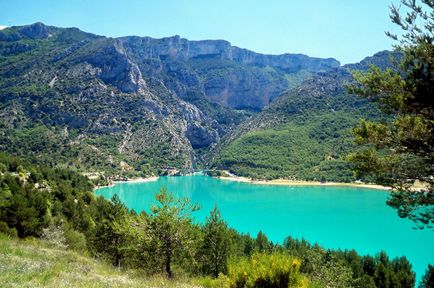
x,y
400,152
216,244
111,237
428,279
170,227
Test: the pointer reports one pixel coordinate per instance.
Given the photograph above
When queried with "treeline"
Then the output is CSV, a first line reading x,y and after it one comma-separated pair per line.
x,y
59,206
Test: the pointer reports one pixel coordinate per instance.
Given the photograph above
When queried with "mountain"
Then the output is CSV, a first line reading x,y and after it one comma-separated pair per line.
x,y
131,104
306,133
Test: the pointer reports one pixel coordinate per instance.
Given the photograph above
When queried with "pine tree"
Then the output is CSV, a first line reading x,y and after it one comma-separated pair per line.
x,y
400,152
216,244
170,227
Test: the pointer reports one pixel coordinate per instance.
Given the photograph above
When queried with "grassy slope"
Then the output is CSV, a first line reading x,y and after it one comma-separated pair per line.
x,y
33,263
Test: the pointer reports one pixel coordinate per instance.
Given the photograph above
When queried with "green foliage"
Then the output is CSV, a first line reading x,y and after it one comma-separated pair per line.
x,y
428,279
216,244
35,263
265,270
330,268
400,152
170,228
310,149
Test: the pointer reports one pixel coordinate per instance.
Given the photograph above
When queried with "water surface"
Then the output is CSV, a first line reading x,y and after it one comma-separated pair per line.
x,y
334,217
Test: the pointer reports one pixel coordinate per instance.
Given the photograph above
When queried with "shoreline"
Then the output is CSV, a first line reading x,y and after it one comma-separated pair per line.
x,y
278,182
286,182
129,180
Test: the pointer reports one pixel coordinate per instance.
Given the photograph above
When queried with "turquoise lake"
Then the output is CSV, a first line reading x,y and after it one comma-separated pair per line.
x,y
334,217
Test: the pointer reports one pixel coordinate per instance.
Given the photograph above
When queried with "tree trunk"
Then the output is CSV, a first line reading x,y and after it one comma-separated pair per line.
x,y
168,261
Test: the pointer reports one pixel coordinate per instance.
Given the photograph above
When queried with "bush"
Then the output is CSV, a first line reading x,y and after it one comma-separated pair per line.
x,y
75,240
4,228
55,236
266,270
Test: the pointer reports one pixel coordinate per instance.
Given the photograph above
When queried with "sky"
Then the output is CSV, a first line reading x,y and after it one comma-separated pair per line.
x,y
348,30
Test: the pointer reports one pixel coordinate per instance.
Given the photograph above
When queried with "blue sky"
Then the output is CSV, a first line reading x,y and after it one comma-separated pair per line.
x,y
347,30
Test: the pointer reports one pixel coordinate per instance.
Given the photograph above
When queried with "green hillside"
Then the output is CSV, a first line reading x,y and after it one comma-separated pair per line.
x,y
304,135
308,150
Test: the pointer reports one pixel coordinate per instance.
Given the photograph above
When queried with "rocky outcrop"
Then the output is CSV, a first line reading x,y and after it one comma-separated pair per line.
x,y
117,69
383,59
182,49
227,75
200,136
36,31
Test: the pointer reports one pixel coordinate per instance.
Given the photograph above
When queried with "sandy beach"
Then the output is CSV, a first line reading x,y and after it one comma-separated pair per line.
x,y
287,182
130,180
137,180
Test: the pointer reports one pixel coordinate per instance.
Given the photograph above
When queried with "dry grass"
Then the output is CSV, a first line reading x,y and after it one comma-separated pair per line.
x,y
33,263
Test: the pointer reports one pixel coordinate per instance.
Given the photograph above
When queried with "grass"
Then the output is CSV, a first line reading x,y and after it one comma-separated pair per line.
x,y
33,263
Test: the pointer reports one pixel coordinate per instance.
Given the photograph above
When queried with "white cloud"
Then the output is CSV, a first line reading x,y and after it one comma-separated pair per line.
x,y
3,27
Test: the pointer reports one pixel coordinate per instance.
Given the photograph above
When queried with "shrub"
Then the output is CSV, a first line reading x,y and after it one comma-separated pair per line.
x,y
4,228
75,240
266,270
55,236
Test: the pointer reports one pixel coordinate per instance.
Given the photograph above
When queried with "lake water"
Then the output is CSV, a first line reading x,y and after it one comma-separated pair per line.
x,y
334,217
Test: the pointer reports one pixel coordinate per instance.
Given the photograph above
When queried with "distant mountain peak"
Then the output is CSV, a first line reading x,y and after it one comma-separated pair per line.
x,y
37,30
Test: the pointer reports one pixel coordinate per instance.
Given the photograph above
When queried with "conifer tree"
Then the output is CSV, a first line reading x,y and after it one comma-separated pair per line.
x,y
400,152
215,249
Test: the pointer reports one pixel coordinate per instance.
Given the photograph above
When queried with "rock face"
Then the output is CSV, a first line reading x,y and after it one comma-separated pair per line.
x,y
225,74
183,49
117,69
36,31
90,101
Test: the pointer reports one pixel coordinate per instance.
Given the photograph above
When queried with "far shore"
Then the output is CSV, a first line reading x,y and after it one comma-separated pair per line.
x,y
280,182
286,182
140,179
130,180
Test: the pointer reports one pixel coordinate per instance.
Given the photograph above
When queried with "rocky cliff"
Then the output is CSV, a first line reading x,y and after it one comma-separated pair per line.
x,y
225,74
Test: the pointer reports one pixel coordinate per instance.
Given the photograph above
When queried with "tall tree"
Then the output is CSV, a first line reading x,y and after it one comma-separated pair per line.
x,y
400,152
216,244
110,236
262,244
170,227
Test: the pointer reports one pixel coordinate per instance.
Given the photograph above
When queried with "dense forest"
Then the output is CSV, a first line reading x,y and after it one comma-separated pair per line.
x,y
59,206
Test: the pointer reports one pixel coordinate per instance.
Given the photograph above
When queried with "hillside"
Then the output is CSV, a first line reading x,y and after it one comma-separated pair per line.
x,y
131,105
36,263
305,134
